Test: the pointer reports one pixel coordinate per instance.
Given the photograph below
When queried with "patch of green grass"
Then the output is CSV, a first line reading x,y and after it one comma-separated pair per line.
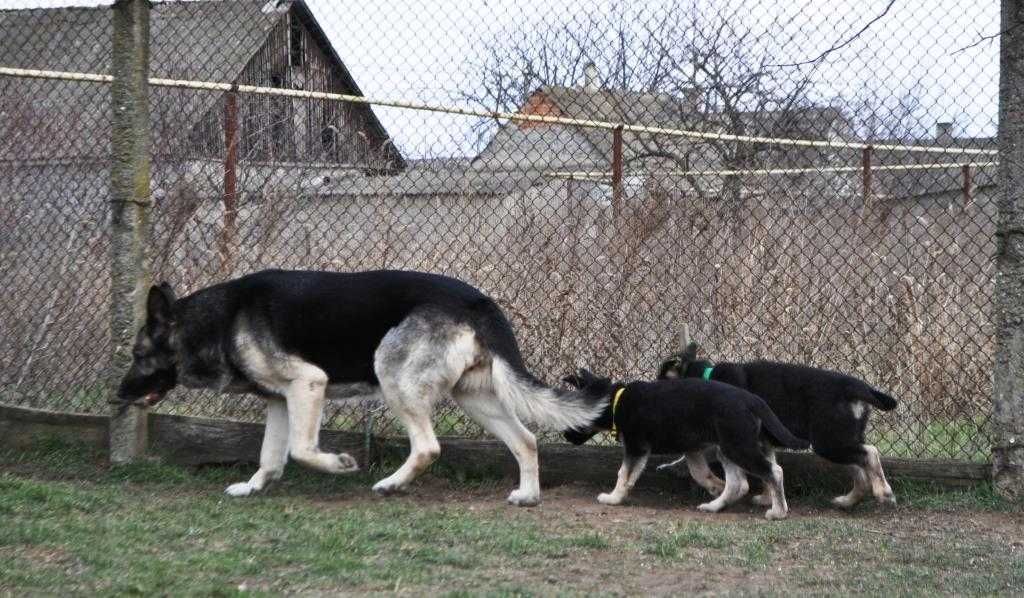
x,y
147,539
915,494
963,439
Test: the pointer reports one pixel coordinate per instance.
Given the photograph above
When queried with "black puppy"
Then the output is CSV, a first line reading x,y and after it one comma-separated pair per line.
x,y
828,408
688,416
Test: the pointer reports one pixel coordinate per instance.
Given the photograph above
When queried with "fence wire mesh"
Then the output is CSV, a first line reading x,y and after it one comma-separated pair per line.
x,y
599,244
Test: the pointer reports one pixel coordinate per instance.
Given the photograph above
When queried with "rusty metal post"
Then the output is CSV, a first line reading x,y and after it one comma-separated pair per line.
x,y
617,171
865,164
129,211
1008,377
230,199
968,182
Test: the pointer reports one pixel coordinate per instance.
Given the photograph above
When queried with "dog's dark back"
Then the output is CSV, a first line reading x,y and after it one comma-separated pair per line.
x,y
803,397
673,416
336,320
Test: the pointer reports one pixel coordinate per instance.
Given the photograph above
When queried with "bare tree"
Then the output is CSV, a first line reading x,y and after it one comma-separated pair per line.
x,y
716,71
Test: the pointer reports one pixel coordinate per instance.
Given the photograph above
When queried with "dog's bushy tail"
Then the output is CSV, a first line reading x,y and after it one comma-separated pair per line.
x,y
526,396
881,400
534,401
775,428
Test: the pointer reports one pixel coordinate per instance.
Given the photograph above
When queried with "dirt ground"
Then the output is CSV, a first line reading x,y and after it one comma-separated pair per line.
x,y
819,549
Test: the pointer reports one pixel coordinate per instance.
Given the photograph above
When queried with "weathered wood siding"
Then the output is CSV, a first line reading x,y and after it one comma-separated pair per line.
x,y
274,129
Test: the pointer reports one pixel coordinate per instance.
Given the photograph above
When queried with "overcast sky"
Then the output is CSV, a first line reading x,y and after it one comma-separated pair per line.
x,y
424,51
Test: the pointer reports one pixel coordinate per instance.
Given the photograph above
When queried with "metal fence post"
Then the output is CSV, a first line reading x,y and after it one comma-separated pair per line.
x,y
617,172
129,209
1008,378
227,235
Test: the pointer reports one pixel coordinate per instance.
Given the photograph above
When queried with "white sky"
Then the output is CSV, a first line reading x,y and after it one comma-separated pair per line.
x,y
422,51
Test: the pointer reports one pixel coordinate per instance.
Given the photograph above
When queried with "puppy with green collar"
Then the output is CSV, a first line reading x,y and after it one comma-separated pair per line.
x,y
689,416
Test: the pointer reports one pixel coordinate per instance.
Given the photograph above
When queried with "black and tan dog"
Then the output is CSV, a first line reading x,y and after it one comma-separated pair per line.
x,y
689,416
828,408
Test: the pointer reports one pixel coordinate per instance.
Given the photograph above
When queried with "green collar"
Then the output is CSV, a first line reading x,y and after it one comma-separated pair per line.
x,y
707,372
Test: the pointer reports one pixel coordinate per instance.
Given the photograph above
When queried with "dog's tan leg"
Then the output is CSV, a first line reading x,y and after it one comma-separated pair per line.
x,y
629,473
494,416
697,463
736,486
305,398
777,493
273,454
765,498
423,450
879,485
861,485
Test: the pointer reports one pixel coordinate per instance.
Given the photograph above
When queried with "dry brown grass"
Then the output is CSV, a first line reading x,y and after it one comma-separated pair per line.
x,y
899,296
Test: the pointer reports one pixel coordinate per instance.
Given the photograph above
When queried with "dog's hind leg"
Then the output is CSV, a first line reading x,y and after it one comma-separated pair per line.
x,y
273,454
494,416
423,450
697,463
765,498
866,464
736,487
632,466
776,491
861,486
305,398
417,363
879,485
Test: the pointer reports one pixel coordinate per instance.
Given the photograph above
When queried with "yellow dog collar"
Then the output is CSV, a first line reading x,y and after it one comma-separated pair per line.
x,y
615,405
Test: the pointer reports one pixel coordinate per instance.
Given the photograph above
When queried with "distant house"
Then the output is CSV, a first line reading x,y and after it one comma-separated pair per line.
x,y
551,146
276,43
540,147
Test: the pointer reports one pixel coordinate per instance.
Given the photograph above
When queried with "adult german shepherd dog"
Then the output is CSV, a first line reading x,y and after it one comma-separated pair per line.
x,y
828,408
297,337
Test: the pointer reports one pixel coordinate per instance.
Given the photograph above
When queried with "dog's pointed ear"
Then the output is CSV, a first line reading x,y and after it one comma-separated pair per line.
x,y
586,376
670,367
158,309
168,292
690,352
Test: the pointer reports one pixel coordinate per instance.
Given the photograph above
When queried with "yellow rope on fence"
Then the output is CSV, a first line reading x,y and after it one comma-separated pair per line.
x,y
595,174
513,116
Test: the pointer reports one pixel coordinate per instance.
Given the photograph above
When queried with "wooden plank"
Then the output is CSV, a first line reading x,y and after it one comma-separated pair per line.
x,y
199,441
23,427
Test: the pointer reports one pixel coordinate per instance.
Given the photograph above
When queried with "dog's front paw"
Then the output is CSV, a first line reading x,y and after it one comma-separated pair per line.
x,y
523,498
609,498
775,514
346,463
239,490
846,501
709,507
888,499
386,487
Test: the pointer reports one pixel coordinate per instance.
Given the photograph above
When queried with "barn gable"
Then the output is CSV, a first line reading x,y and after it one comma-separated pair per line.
x,y
248,41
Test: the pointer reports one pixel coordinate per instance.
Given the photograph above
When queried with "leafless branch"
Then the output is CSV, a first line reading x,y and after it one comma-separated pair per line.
x,y
986,38
843,44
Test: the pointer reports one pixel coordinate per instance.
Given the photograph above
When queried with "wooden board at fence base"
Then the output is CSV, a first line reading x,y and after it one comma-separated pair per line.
x,y
201,441
198,441
24,427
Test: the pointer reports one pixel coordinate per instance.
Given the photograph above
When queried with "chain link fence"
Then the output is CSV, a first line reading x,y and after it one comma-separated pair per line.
x,y
796,181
